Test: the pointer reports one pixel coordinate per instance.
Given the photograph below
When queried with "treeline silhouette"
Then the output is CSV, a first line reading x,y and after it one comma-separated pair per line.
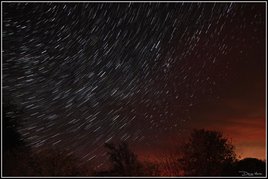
x,y
205,153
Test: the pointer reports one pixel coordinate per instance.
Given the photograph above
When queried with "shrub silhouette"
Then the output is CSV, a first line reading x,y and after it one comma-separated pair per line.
x,y
206,154
124,162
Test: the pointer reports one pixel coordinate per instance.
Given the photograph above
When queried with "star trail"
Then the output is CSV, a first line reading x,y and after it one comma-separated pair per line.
x,y
90,73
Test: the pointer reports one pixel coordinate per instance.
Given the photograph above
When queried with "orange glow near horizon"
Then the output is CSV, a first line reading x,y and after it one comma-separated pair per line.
x,y
248,136
246,130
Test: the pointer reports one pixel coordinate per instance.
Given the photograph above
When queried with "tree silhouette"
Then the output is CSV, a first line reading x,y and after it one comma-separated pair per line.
x,y
206,154
18,158
124,162
11,115
15,152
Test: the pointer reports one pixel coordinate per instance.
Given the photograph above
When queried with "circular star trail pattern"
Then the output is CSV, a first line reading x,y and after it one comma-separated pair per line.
x,y
90,73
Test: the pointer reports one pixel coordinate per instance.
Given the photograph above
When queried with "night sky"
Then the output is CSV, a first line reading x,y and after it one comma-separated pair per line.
x,y
146,73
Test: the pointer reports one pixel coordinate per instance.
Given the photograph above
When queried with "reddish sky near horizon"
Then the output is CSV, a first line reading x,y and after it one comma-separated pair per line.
x,y
239,110
240,113
85,74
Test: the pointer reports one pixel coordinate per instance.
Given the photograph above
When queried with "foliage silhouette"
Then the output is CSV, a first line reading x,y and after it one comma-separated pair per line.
x,y
11,116
206,154
20,160
15,151
124,162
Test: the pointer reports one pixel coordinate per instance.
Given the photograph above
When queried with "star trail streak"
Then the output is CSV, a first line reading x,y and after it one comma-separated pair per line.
x,y
90,73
